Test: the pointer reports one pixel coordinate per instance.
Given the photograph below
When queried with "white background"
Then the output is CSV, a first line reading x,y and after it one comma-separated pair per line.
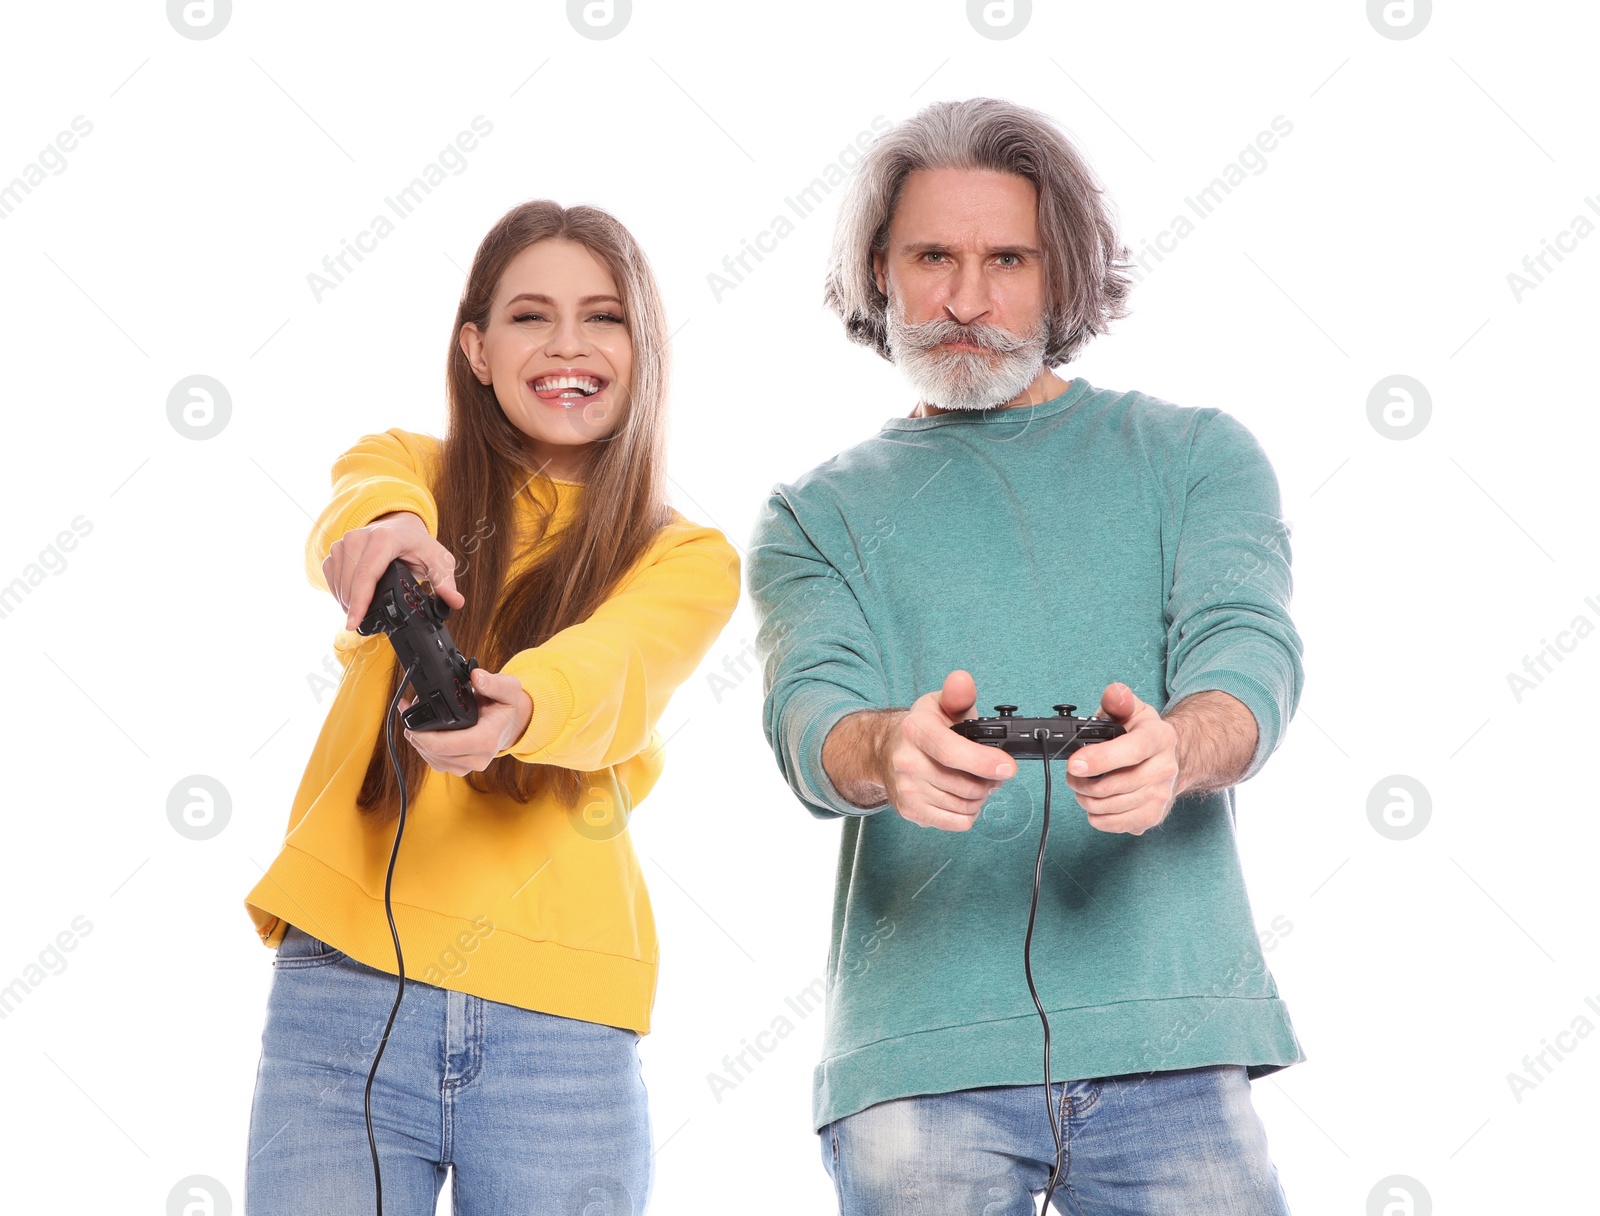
x,y
180,636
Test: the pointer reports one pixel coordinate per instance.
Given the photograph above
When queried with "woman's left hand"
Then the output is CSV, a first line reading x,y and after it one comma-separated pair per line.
x,y
504,711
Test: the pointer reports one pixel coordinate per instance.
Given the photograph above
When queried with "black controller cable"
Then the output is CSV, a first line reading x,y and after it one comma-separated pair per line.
x,y
388,907
1042,734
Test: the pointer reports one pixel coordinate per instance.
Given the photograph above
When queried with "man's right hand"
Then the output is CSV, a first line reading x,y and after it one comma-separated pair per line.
x,y
358,559
911,759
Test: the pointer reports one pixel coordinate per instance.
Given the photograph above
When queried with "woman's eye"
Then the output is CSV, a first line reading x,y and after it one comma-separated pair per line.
x,y
529,316
1010,259
606,316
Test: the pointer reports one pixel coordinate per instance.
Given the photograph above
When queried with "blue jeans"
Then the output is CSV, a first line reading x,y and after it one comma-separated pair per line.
x,y
1186,1141
530,1111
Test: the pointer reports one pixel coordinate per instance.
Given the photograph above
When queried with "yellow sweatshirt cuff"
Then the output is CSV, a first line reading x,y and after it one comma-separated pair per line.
x,y
552,708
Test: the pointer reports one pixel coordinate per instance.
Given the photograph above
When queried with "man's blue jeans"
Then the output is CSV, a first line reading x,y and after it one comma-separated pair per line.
x,y
1185,1141
532,1112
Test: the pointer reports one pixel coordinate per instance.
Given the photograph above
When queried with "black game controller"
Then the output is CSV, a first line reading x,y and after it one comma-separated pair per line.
x,y
441,676
1015,736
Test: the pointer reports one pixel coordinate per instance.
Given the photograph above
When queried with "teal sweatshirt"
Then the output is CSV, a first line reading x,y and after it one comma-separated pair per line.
x,y
1049,550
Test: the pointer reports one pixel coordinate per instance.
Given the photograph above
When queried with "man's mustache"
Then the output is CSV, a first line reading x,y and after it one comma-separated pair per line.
x,y
928,334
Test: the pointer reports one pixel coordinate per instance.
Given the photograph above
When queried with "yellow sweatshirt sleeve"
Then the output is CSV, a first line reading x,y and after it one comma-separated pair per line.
x,y
600,686
381,473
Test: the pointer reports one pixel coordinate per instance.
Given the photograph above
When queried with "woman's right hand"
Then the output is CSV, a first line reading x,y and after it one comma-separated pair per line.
x,y
359,558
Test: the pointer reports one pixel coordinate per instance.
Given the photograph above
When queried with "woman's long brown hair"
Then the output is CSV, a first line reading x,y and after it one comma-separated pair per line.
x,y
484,464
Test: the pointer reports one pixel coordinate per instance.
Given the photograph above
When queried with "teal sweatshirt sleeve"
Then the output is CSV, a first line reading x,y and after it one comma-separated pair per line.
x,y
821,661
1227,614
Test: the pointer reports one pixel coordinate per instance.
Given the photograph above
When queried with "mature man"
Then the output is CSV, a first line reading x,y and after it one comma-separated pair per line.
x,y
1046,541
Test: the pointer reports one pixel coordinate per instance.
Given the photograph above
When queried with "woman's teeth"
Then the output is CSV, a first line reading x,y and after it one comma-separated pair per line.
x,y
567,387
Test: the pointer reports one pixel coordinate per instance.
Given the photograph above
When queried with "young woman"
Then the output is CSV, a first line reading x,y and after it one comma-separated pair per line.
x,y
529,947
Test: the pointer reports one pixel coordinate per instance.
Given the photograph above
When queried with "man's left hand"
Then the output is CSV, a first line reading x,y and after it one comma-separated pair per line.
x,y
1127,784
504,711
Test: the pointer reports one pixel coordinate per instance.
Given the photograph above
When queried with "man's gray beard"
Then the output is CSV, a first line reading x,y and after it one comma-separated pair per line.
x,y
965,380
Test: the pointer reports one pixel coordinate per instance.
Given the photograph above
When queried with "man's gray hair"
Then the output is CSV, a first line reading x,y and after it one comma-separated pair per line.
x,y
1084,265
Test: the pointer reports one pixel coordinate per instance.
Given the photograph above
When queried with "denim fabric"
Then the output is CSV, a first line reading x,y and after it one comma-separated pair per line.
x,y
1186,1141
529,1111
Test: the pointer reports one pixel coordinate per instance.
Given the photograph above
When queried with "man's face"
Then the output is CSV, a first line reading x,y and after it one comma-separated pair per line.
x,y
965,284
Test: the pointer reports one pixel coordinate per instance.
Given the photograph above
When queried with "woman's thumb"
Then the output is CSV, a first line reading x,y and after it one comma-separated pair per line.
x,y
443,581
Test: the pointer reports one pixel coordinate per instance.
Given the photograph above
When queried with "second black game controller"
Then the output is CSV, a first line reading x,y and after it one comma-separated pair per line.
x,y
1020,737
441,676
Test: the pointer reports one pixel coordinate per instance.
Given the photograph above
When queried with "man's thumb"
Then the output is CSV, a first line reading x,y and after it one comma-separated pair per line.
x,y
958,696
1118,702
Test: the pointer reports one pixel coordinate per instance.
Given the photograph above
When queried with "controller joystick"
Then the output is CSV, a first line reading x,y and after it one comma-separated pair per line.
x,y
441,676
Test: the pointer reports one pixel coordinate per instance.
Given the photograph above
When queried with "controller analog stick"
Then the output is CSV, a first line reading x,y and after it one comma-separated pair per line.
x,y
1005,711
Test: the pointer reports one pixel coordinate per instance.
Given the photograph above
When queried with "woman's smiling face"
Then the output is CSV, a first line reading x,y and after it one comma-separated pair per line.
x,y
556,351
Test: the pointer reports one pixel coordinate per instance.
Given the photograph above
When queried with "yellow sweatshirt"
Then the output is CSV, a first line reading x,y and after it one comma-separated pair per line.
x,y
538,905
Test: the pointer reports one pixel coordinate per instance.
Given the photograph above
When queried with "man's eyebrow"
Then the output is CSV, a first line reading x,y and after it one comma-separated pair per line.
x,y
540,298
913,247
